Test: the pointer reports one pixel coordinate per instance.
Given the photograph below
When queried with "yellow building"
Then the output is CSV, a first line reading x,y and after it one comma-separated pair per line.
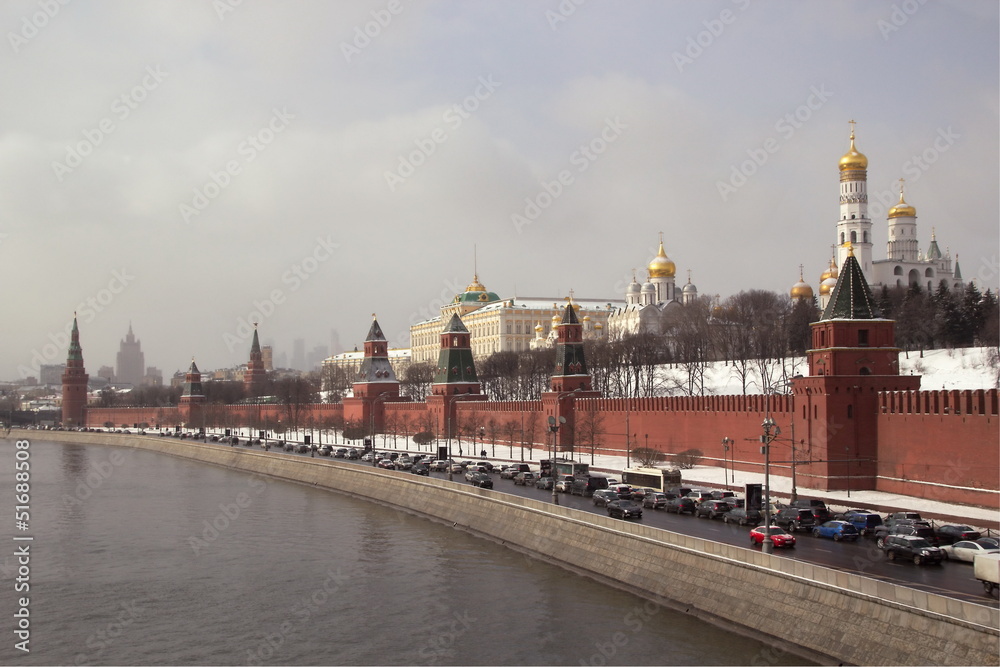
x,y
497,324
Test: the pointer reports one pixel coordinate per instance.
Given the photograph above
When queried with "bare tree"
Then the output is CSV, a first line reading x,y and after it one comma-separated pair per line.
x,y
590,428
417,379
648,457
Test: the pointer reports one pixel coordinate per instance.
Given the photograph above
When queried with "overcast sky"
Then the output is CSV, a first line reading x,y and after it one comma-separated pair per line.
x,y
189,166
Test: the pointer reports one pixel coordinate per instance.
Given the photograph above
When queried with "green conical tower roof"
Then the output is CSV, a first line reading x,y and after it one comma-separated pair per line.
x,y
851,298
75,351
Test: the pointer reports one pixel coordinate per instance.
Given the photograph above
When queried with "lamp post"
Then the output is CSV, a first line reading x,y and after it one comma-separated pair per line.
x,y
554,428
767,546
726,442
372,416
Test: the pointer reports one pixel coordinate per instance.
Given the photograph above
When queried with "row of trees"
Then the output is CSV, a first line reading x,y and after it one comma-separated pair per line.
x,y
941,318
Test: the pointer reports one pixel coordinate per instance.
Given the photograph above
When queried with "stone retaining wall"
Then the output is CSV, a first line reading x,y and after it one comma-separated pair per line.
x,y
824,613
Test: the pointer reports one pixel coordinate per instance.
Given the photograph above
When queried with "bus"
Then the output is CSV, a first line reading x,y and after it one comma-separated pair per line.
x,y
653,478
563,467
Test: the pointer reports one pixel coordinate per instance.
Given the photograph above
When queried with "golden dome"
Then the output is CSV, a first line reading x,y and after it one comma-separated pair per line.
x,y
539,327
801,289
831,272
827,286
852,158
475,285
661,266
902,209
556,319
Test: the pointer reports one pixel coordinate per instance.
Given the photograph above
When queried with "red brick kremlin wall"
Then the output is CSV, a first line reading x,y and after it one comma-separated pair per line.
x,y
943,445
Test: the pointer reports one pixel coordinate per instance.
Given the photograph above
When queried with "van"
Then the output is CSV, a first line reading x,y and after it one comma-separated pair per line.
x,y
809,503
585,486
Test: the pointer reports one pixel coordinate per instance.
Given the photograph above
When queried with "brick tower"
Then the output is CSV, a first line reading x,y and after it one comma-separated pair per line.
x,y
456,375
853,357
374,384
74,382
255,379
570,379
192,398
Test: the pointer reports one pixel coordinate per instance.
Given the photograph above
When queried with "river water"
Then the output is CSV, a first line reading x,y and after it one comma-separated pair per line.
x,y
141,558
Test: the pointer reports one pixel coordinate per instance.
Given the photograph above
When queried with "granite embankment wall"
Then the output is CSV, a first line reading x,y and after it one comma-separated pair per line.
x,y
863,621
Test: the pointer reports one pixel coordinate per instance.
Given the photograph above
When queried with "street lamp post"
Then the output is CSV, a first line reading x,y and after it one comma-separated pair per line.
x,y
769,425
377,399
554,428
726,442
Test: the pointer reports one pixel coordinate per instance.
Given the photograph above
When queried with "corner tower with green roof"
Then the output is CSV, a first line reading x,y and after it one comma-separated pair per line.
x,y
852,359
74,382
456,370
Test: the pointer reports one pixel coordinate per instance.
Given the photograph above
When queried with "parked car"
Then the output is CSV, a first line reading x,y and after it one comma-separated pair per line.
x,y
565,483
470,474
989,542
624,509
808,503
544,483
403,463
482,480
587,485
624,491
864,522
386,464
353,454
485,464
950,534
656,500
910,516
681,505
742,516
722,494
341,453
795,518
440,465
911,547
965,550
821,514
678,491
700,495
420,469
525,478
301,448
456,468
368,456
639,492
513,469
324,450
711,509
779,537
914,529
838,530
604,496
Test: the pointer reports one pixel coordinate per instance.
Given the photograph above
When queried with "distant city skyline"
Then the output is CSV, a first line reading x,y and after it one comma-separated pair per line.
x,y
303,165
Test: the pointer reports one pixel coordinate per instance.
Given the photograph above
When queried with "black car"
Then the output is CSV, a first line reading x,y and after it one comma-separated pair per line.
x,y
681,505
420,469
712,509
602,497
624,509
917,549
913,528
743,516
794,518
951,533
525,478
482,480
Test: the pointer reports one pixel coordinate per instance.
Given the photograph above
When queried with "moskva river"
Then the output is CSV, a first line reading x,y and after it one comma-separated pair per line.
x,y
139,558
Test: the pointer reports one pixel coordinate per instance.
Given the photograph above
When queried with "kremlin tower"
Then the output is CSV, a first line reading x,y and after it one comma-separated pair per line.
x,y
74,382
255,378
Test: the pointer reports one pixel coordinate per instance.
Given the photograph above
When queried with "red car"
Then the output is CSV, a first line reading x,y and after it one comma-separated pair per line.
x,y
778,536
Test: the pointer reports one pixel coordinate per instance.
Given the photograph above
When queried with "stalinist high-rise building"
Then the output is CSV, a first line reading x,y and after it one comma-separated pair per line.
x,y
131,366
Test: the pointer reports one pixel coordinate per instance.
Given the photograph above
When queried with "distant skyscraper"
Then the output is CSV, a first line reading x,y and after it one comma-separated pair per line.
x,y
267,356
131,361
299,354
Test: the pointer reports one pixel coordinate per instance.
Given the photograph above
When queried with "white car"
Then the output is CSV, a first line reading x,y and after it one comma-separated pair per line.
x,y
966,550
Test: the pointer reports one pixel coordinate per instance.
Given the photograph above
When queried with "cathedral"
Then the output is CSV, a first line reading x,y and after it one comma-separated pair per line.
x,y
904,264
648,307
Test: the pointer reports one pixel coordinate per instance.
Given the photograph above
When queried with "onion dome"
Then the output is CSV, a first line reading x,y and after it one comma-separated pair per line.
x,y
902,209
648,288
661,266
853,159
689,288
556,320
598,326
586,318
801,289
831,272
476,293
539,328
